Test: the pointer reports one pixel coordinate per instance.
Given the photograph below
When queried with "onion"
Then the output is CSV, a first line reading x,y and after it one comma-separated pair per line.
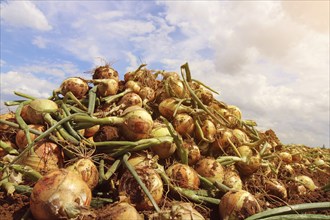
x,y
87,170
47,156
181,210
176,87
221,143
194,153
147,94
232,180
9,116
168,106
21,140
165,149
120,211
306,181
251,161
184,124
106,133
105,72
210,169
61,194
238,205
38,107
129,187
183,175
130,99
142,160
106,87
76,85
241,136
91,131
276,188
285,157
208,129
234,110
133,86
204,95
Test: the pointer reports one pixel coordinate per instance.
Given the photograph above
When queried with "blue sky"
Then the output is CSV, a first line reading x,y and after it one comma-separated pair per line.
x,y
270,58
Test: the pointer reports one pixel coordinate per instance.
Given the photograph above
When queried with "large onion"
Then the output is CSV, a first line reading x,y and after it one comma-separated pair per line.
x,y
105,72
120,211
129,187
38,107
210,169
237,205
61,194
233,180
184,124
20,138
183,175
181,210
165,149
76,85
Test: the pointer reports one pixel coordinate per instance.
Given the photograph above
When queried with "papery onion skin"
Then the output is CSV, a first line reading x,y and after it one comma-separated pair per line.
x,y
38,107
233,180
105,72
87,170
61,194
120,211
183,175
238,205
9,116
208,129
21,140
276,188
91,131
194,153
210,169
130,99
129,187
106,87
76,85
184,124
106,133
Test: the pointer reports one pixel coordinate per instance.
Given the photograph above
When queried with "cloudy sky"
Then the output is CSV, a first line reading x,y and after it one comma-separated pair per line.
x,y
269,58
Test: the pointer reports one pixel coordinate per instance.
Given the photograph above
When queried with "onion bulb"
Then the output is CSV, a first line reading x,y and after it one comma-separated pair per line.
x,y
184,124
285,157
129,187
168,106
106,87
20,138
237,205
10,116
105,72
120,211
76,85
181,210
276,188
87,171
194,153
306,181
38,107
251,161
208,129
142,160
165,149
147,94
130,99
234,110
210,169
133,86
91,131
61,194
233,180
106,133
183,176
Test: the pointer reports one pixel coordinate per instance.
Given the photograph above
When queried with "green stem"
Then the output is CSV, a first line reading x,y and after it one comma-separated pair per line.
x,y
91,100
24,95
27,171
8,148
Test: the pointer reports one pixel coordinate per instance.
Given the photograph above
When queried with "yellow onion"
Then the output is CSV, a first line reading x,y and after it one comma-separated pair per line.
x,y
91,131
237,205
221,143
194,153
105,72
285,157
120,211
306,181
208,129
106,87
76,85
165,149
129,187
61,194
183,176
20,138
176,87
184,124
233,180
210,169
276,188
47,156
168,106
38,107
9,116
181,210
204,95
133,86
234,110
241,137
87,170
147,94
251,161
141,160
130,99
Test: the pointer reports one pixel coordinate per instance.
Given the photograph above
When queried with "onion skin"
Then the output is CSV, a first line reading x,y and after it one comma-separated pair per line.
x,y
166,149
194,153
91,131
61,194
233,180
38,107
208,129
130,99
106,133
181,210
210,169
87,171
238,205
105,72
76,85
129,187
276,188
106,87
183,175
10,116
120,211
21,140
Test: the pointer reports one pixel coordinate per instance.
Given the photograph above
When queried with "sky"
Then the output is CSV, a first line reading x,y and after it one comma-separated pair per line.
x,y
269,58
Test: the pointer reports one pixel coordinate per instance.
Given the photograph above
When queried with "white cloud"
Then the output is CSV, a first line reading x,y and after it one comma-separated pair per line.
x,y
24,14
40,42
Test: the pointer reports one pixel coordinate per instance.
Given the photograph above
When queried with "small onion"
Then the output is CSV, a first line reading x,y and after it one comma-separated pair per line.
x,y
87,170
21,140
91,131
130,99
76,85
204,95
285,157
120,211
38,107
147,93
184,124
194,153
251,163
276,188
129,187
237,205
61,194
208,129
234,110
306,181
210,169
106,87
240,136
142,160
133,86
106,133
10,116
183,175
168,106
105,72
